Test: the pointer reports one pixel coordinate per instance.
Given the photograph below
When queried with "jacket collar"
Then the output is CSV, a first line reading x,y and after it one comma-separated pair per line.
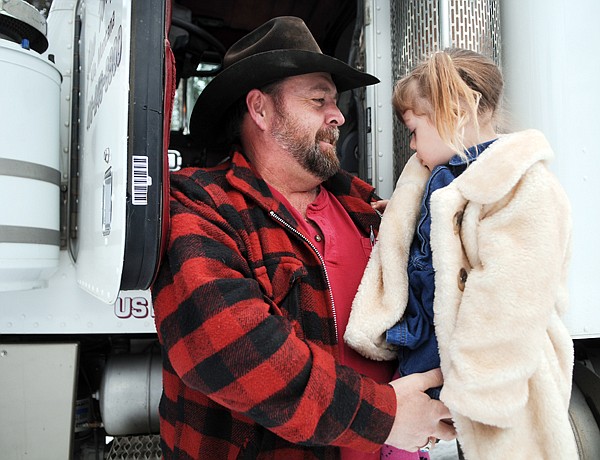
x,y
471,153
354,194
502,164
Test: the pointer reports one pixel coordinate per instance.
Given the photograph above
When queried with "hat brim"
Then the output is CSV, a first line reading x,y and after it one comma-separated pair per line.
x,y
257,71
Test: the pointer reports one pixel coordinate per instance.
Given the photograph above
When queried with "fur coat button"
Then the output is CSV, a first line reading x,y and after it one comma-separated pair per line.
x,y
458,218
462,279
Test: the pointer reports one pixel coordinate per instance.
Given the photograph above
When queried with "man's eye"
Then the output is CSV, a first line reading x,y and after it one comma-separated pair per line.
x,y
319,100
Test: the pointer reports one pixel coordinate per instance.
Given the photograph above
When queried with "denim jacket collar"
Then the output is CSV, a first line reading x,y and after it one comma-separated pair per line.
x,y
471,154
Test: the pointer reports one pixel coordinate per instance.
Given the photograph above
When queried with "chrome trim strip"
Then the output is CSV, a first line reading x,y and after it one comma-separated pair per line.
x,y
28,170
29,235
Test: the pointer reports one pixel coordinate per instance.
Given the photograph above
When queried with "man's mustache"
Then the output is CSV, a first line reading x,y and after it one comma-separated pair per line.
x,y
329,135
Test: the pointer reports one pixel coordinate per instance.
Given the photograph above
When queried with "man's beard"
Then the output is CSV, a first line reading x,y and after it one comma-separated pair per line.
x,y
322,162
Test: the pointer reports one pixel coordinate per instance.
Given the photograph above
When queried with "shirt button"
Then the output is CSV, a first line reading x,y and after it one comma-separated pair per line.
x,y
318,238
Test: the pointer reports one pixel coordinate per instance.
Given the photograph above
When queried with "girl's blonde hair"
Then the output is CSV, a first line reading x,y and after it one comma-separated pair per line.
x,y
453,88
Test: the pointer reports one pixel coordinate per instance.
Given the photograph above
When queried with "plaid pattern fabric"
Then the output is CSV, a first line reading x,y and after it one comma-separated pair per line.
x,y
244,317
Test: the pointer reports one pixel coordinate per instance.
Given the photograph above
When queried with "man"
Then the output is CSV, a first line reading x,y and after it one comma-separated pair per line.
x,y
265,254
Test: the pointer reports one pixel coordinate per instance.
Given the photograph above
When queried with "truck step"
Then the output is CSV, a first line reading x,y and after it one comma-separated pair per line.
x,y
144,447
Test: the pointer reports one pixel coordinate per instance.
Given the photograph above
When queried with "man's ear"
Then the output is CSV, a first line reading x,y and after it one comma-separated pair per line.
x,y
256,101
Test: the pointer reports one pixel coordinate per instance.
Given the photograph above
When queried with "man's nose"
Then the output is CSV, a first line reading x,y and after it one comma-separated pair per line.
x,y
335,116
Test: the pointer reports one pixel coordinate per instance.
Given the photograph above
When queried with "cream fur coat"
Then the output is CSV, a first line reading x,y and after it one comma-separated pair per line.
x,y
500,237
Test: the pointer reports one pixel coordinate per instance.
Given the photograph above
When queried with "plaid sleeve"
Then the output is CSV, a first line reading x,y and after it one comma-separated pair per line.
x,y
224,340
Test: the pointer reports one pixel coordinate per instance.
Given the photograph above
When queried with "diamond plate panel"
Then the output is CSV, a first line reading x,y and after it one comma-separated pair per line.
x,y
143,447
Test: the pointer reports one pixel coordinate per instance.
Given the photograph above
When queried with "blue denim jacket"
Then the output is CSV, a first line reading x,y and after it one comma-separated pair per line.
x,y
414,334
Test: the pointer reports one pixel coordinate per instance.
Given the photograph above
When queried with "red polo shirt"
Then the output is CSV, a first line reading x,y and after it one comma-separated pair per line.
x,y
345,252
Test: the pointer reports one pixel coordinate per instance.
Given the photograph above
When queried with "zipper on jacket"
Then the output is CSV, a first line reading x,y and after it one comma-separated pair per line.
x,y
304,238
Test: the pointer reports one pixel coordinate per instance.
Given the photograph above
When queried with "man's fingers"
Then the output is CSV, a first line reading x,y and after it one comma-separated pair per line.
x,y
420,381
417,415
442,412
431,379
445,431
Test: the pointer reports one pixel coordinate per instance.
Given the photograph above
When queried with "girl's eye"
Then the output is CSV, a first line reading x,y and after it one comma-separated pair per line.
x,y
411,134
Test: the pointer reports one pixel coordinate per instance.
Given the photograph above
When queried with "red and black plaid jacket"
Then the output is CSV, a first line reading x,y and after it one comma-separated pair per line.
x,y
244,316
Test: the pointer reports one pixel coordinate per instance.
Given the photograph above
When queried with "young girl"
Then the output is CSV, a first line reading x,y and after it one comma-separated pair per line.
x,y
469,271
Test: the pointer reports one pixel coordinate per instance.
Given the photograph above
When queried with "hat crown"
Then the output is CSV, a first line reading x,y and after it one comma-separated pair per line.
x,y
279,34
280,48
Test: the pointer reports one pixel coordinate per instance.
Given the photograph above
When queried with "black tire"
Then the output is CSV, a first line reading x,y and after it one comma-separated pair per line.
x,y
585,428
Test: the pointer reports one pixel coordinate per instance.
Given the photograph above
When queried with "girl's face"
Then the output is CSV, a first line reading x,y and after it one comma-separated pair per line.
x,y
426,141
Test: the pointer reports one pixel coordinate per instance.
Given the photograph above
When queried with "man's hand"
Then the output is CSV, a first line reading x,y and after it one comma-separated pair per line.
x,y
380,206
417,415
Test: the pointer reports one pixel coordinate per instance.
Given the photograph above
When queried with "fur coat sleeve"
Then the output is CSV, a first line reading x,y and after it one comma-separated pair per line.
x,y
383,292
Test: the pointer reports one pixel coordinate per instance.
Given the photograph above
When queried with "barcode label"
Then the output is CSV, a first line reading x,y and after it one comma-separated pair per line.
x,y
141,180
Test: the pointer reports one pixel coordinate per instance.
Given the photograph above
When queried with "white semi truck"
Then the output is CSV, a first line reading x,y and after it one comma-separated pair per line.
x,y
90,129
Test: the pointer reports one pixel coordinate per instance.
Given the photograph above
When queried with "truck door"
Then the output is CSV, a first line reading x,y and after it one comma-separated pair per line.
x,y
123,108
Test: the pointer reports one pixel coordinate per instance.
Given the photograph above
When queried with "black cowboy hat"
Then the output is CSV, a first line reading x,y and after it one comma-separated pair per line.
x,y
282,47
